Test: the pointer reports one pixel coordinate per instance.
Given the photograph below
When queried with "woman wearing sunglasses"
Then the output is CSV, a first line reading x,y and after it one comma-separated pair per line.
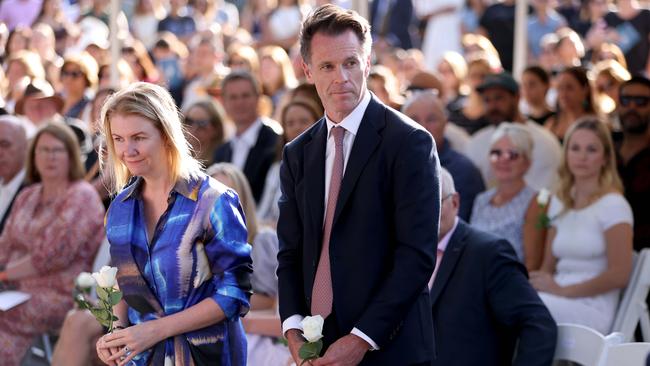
x,y
205,127
509,209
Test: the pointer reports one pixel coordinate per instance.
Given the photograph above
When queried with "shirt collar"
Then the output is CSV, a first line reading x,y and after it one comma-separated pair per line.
x,y
188,188
249,137
442,244
352,121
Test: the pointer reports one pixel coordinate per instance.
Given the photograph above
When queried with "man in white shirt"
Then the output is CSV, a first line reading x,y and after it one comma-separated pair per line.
x,y
13,149
500,93
253,148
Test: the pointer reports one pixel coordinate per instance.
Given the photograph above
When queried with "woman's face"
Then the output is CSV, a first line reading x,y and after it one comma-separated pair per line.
x,y
18,42
270,72
15,72
297,119
51,158
507,161
73,79
607,85
237,63
533,89
139,145
447,77
585,154
198,124
570,94
51,7
476,73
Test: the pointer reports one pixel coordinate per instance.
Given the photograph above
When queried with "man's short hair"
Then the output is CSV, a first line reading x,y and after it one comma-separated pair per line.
x,y
240,75
636,79
333,21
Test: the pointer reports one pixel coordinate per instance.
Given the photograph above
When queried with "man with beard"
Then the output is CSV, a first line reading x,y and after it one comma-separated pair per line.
x,y
634,154
500,94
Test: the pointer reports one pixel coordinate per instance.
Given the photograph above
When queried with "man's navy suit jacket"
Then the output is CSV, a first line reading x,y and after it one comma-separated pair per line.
x,y
383,235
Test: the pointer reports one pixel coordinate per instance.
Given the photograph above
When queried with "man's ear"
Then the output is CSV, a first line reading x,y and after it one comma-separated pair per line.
x,y
307,71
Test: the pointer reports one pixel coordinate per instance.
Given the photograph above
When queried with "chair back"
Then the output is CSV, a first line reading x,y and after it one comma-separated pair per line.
x,y
633,308
627,354
578,343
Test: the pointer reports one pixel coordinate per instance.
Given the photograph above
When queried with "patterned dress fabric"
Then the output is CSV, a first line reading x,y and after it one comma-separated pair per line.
x,y
62,237
198,251
506,221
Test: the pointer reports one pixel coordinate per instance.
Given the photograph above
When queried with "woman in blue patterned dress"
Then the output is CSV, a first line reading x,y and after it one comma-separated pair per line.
x,y
178,238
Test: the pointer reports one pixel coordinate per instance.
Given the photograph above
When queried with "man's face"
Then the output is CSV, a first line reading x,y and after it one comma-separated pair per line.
x,y
339,68
39,110
634,102
427,113
240,101
13,148
500,105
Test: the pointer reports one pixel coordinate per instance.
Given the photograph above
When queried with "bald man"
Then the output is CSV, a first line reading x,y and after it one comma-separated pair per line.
x,y
426,109
13,149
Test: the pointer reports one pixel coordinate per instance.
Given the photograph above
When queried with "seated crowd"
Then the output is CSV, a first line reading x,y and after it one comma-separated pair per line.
x,y
546,174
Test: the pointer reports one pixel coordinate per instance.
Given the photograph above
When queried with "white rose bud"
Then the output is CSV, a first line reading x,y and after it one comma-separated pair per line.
x,y
85,280
543,196
312,328
105,277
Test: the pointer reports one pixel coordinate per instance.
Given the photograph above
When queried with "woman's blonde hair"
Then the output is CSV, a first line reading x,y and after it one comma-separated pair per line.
x,y
64,134
608,179
243,189
155,104
280,57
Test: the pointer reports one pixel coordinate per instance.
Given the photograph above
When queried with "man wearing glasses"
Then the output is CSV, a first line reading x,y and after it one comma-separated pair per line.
x,y
634,153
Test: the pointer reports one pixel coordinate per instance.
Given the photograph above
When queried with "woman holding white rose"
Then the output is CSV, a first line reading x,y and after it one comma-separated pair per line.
x,y
588,256
52,234
178,239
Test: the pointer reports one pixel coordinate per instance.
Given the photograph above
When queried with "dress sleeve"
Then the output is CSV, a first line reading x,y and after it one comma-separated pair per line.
x,y
230,256
76,224
265,262
614,210
554,209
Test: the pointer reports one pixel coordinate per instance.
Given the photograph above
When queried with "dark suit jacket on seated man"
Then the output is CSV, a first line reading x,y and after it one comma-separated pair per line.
x,y
359,211
485,312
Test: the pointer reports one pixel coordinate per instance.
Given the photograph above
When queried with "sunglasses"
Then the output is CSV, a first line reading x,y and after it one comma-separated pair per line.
x,y
639,100
73,74
200,123
510,155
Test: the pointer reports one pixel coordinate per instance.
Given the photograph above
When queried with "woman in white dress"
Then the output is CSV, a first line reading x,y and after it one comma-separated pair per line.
x,y
588,257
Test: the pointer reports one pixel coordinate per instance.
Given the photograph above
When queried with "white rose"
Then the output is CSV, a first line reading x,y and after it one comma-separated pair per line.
x,y
543,196
312,328
85,280
105,277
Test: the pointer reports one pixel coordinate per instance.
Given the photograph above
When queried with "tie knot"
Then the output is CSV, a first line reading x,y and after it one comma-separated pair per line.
x,y
338,133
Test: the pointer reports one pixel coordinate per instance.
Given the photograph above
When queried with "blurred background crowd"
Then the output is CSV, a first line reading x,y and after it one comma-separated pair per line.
x,y
574,122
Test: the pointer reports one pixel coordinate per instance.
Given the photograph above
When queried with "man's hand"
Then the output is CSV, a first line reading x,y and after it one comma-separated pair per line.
x,y
347,351
295,341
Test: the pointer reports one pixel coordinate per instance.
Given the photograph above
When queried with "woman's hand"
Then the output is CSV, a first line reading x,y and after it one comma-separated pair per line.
x,y
105,352
544,282
131,341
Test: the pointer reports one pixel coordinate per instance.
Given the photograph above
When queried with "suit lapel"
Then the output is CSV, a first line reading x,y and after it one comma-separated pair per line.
x,y
314,173
365,143
452,254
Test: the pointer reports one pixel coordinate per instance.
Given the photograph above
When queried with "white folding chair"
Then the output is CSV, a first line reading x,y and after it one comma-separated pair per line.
x,y
578,343
633,308
627,354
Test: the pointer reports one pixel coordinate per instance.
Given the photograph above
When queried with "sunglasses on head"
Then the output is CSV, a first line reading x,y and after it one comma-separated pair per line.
x,y
509,155
73,74
200,123
638,100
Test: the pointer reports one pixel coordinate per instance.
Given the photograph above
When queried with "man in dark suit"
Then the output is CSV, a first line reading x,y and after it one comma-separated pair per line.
x,y
485,312
359,211
391,22
253,147
13,150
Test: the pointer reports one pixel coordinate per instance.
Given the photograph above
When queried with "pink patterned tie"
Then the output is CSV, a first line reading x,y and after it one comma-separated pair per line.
x,y
321,302
439,254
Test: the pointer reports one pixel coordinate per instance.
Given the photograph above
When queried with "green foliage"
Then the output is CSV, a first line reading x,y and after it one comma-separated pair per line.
x,y
310,351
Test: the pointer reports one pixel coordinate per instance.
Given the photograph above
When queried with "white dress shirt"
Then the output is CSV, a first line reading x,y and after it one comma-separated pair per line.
x,y
351,125
242,144
8,191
